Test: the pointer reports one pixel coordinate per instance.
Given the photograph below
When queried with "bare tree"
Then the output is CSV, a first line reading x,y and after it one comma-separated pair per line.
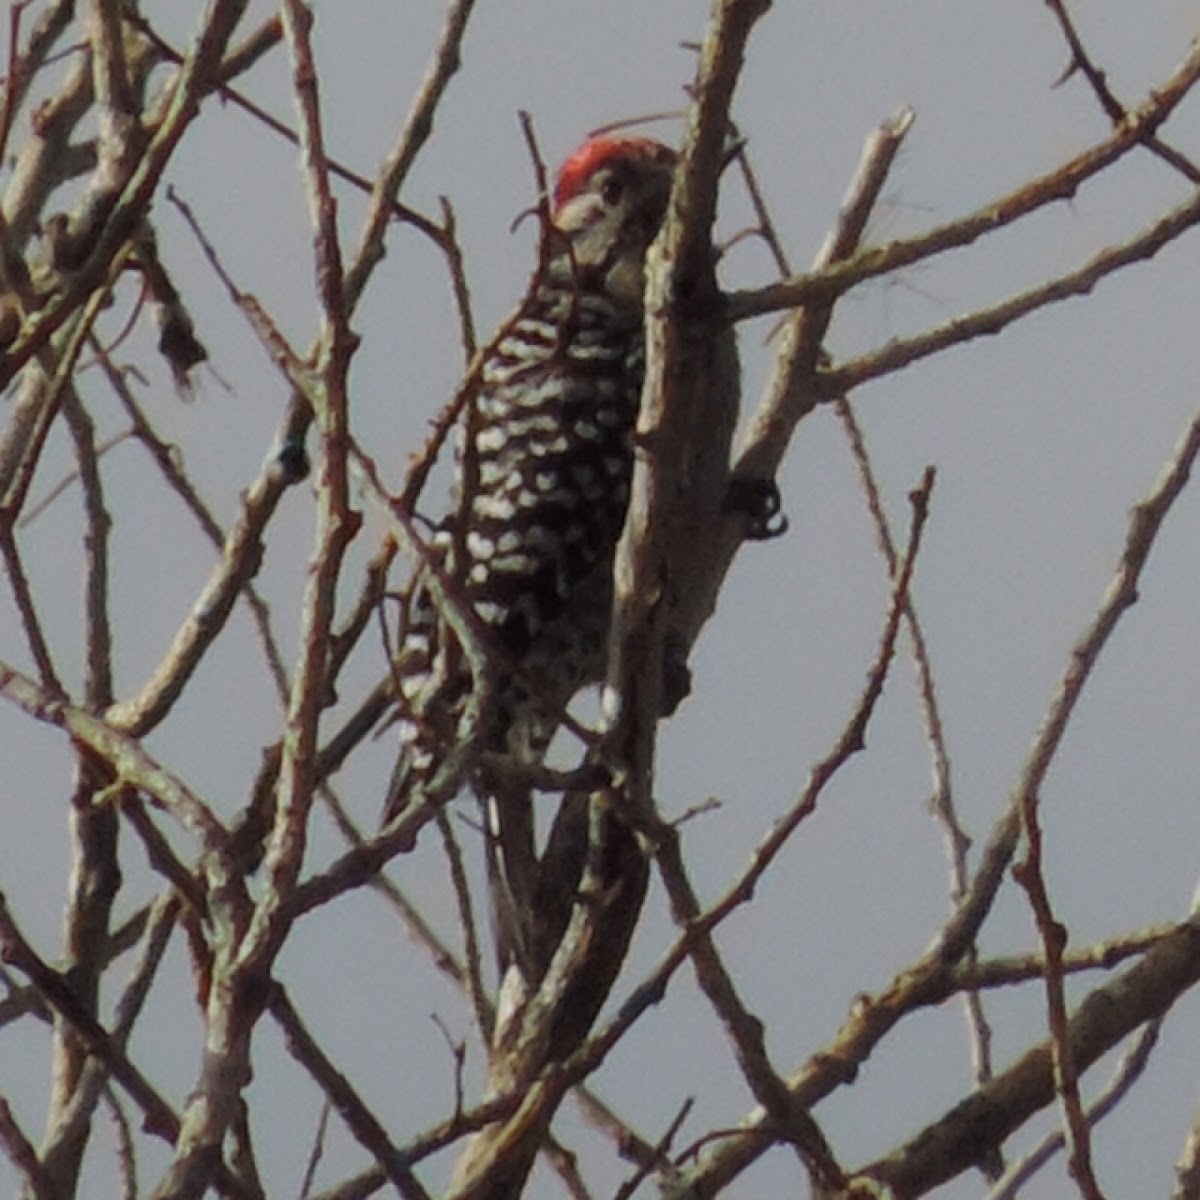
x,y
196,896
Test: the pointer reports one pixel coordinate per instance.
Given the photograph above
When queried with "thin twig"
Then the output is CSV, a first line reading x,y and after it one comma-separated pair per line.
x,y
745,1030
125,1150
659,1157
23,1156
418,125
167,458
294,367
317,1152
473,968
129,760
1129,1070
1029,874
74,1117
902,352
18,582
1187,1169
1116,112
832,280
342,1095
941,802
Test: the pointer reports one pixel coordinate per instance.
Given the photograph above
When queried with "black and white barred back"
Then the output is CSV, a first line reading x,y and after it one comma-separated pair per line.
x,y
546,475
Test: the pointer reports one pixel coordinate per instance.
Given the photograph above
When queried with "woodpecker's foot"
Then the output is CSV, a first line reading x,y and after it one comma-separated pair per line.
x,y
293,460
676,675
759,501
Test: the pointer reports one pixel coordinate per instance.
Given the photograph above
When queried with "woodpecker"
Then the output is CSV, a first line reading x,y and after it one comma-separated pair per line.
x,y
543,478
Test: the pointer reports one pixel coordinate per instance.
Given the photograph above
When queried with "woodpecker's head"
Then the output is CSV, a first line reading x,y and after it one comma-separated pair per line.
x,y
610,199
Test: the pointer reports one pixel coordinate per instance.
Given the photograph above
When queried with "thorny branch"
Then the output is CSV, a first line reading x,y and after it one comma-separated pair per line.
x,y
1080,61
1062,183
1029,873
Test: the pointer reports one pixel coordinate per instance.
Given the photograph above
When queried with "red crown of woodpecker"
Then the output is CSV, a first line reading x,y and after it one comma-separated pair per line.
x,y
597,151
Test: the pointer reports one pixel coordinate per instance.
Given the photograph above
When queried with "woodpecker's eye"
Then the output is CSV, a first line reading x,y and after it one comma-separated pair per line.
x,y
612,191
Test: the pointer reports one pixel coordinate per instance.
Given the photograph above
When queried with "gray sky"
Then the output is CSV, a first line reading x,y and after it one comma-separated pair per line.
x,y
1043,438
